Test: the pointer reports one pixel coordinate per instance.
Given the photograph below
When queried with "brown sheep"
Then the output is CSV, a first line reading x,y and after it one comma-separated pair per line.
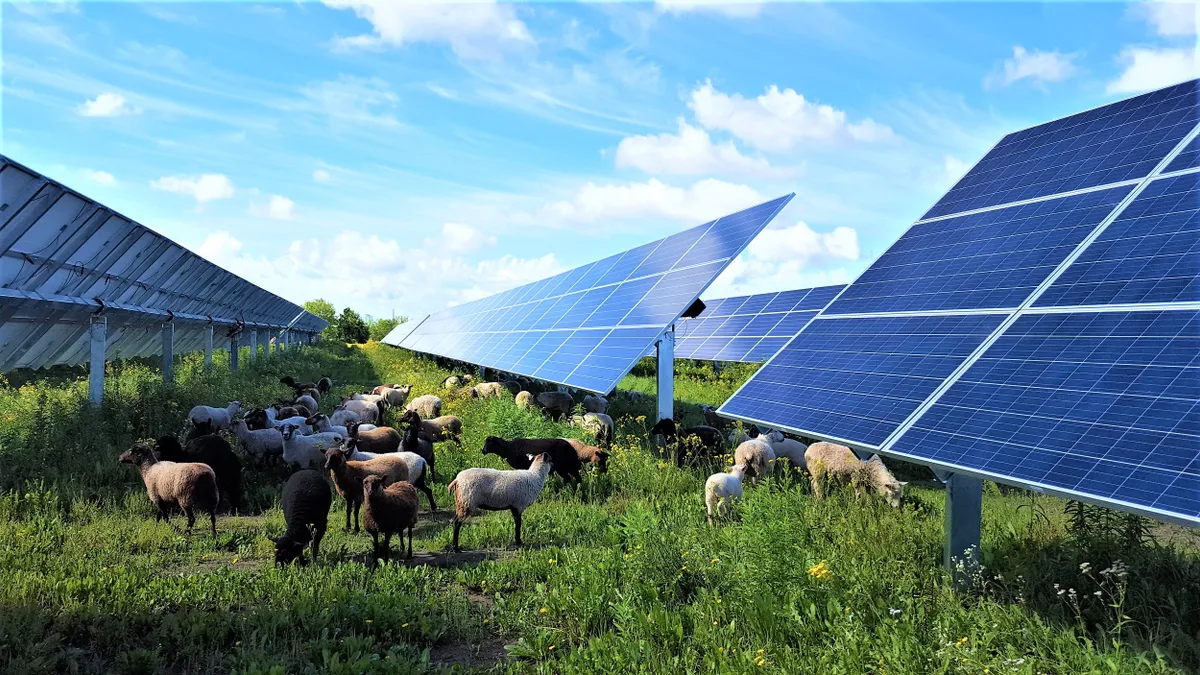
x,y
379,440
590,454
389,509
348,477
188,485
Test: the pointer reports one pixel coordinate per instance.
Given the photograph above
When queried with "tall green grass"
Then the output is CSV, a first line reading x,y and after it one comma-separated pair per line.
x,y
621,574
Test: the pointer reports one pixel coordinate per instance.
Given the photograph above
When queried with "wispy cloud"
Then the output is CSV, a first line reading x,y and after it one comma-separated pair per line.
x,y
277,207
734,9
475,30
203,188
1037,66
690,152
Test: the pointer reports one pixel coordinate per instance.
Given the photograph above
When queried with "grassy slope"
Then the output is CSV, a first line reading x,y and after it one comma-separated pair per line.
x,y
622,575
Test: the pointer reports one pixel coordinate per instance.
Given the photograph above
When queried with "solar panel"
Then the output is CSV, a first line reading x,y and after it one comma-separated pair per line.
x,y
1075,367
1188,159
749,328
588,326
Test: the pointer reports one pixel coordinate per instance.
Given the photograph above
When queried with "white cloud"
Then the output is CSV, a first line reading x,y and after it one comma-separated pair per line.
x,y
474,30
321,176
351,100
107,104
277,207
219,247
779,120
1147,68
204,188
690,152
45,8
102,177
801,243
654,199
1036,66
1171,18
459,238
784,258
733,9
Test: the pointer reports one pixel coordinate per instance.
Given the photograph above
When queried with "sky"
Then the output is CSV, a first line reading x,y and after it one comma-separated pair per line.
x,y
402,157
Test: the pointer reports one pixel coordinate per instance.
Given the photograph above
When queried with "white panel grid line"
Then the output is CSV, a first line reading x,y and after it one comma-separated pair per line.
x,y
1031,200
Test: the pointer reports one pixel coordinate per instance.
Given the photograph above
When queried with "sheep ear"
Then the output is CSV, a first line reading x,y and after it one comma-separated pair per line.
x,y
902,483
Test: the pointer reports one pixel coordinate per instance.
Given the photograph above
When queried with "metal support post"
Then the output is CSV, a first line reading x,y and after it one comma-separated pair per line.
x,y
208,346
168,351
666,374
964,510
98,333
253,346
233,352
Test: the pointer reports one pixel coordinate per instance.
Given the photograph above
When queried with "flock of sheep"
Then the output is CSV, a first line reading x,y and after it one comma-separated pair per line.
x,y
379,470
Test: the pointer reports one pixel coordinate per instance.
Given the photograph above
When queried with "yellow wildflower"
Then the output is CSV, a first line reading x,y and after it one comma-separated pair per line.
x,y
542,610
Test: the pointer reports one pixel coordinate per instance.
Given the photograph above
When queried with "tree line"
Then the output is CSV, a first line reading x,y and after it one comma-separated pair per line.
x,y
349,326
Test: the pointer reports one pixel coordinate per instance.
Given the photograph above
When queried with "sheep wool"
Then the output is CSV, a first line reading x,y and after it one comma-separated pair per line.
x,y
598,424
721,489
389,510
758,457
830,461
524,400
348,477
444,428
216,453
557,403
595,404
219,418
189,485
306,501
427,406
495,490
259,443
590,454
790,448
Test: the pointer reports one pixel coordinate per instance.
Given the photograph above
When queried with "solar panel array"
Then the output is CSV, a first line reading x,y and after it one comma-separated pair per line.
x,y
1023,334
749,328
587,327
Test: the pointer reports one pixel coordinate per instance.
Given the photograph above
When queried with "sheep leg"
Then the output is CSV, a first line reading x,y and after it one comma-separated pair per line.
x,y
429,495
349,506
517,524
458,521
357,508
458,441
191,516
387,546
410,533
212,515
318,533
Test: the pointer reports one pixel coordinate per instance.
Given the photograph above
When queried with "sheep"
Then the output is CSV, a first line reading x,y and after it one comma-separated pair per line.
x,y
444,428
494,490
379,441
344,418
790,448
394,394
306,502
556,403
685,440
320,423
389,510
216,453
309,402
723,488
369,398
417,467
307,452
427,406
512,386
324,385
598,424
590,454
383,388
524,400
285,411
758,457
259,443
267,419
199,430
838,462
595,404
451,382
468,392
740,434
348,476
711,418
219,418
519,452
366,411
412,442
490,390
188,485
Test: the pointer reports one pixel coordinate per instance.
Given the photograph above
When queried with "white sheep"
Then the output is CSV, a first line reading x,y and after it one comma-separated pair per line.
x,y
524,400
259,443
344,418
598,424
307,452
366,411
427,406
595,404
721,489
495,490
490,390
189,485
838,462
321,424
790,448
396,395
758,457
219,418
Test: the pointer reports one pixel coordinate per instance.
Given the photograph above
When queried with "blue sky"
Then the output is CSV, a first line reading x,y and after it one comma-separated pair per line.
x,y
406,156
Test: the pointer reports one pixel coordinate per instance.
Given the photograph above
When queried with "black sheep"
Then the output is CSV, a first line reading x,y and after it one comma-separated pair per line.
x,y
214,451
708,438
519,453
306,502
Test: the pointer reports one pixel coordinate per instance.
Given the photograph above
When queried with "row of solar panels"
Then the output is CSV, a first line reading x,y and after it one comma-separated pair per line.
x,y
65,258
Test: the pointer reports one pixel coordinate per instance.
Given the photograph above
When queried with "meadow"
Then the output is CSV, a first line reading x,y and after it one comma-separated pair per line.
x,y
619,575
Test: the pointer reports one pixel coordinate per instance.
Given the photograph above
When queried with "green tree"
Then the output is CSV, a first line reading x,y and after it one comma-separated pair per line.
x,y
381,327
351,327
324,309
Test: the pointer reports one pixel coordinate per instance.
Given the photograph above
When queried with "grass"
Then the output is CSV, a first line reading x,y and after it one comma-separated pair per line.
x,y
621,575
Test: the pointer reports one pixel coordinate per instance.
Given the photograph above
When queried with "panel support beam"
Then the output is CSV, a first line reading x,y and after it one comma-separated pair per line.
x,y
666,374
168,352
208,347
964,510
253,346
98,335
233,352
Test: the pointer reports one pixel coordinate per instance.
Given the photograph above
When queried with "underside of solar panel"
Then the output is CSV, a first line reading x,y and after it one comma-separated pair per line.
x,y
1040,325
588,327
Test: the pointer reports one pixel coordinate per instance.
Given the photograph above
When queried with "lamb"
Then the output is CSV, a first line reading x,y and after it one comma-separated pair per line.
x,y
188,485
524,400
490,390
595,404
324,385
412,442
320,423
556,403
307,452
838,462
598,424
216,453
427,406
366,411
590,454
389,510
687,439
348,476
721,489
417,467
519,453
379,441
219,418
444,428
309,402
790,448
259,443
494,490
306,502
757,456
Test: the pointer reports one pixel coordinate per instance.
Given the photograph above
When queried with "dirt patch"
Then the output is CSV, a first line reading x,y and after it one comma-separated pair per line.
x,y
449,558
484,655
209,565
477,598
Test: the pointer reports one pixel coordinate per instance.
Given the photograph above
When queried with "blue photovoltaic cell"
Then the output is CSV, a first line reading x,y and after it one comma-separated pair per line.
x,y
858,378
1188,158
749,328
1101,403
1150,253
987,260
1117,142
588,326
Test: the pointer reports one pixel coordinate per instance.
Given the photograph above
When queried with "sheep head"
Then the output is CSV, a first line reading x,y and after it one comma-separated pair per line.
x,y
373,485
540,461
664,427
141,453
288,550
334,459
493,445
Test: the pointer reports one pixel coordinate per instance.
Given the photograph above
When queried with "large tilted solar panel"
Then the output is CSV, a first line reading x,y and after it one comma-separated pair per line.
x,y
587,327
1188,159
749,328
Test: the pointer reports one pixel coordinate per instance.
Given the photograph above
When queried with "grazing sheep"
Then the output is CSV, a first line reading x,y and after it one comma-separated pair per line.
x,y
383,388
366,411
344,418
595,404
427,406
556,403
790,448
306,502
389,510
838,462
686,440
324,385
216,453
758,457
198,430
598,424
188,485
412,442
590,454
524,400
396,394
519,453
218,418
348,476
451,382
379,441
490,390
721,489
418,468
309,402
320,424
369,398
512,386
307,452
468,392
711,418
444,428
494,490
259,443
